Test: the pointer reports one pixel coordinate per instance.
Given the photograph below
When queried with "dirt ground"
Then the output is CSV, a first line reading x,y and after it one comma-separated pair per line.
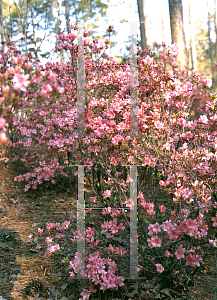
x,y
20,216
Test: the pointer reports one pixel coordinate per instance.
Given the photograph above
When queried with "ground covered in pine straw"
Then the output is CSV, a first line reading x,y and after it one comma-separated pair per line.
x,y
22,213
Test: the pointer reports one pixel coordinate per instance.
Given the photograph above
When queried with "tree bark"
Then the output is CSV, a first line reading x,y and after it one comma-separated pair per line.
x,y
67,16
177,32
1,24
59,29
210,49
193,55
34,36
143,23
163,23
215,3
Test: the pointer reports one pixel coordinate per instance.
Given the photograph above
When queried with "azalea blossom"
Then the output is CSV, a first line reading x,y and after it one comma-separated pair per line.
x,y
93,199
214,219
173,50
160,268
207,82
40,231
48,240
59,235
85,294
110,248
180,252
38,247
159,125
5,90
130,203
107,193
162,208
52,249
20,82
72,216
203,119
154,242
192,260
116,139
154,228
168,254
149,60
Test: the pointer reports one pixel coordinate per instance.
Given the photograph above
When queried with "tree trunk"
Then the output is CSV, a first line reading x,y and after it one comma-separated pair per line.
x,y
163,23
210,49
1,24
215,3
34,36
193,56
177,32
143,23
67,16
59,28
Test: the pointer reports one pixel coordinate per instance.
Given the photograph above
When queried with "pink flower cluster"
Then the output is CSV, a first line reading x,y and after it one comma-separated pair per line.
x,y
112,226
96,268
52,249
186,153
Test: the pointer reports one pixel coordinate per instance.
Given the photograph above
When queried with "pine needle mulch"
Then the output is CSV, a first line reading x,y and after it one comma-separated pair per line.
x,y
22,213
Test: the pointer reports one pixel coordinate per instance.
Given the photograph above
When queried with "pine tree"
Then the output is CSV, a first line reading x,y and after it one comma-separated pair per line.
x,y
177,32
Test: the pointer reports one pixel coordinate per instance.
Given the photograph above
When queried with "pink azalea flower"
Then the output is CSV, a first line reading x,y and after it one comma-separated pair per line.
x,y
121,227
72,216
130,203
5,90
114,229
50,226
160,268
40,231
28,65
116,139
143,203
107,193
85,294
110,281
203,119
48,240
154,242
120,250
20,82
214,219
150,208
159,125
52,249
72,274
148,60
90,232
173,50
129,179
93,199
180,252
2,123
168,254
139,268
154,228
192,260
3,138
162,208
207,82
59,236
38,247
110,248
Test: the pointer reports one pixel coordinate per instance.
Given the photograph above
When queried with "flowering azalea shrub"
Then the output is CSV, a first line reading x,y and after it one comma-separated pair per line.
x,y
180,145
47,133
17,74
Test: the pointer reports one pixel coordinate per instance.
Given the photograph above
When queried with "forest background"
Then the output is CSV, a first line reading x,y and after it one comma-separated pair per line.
x,y
40,21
